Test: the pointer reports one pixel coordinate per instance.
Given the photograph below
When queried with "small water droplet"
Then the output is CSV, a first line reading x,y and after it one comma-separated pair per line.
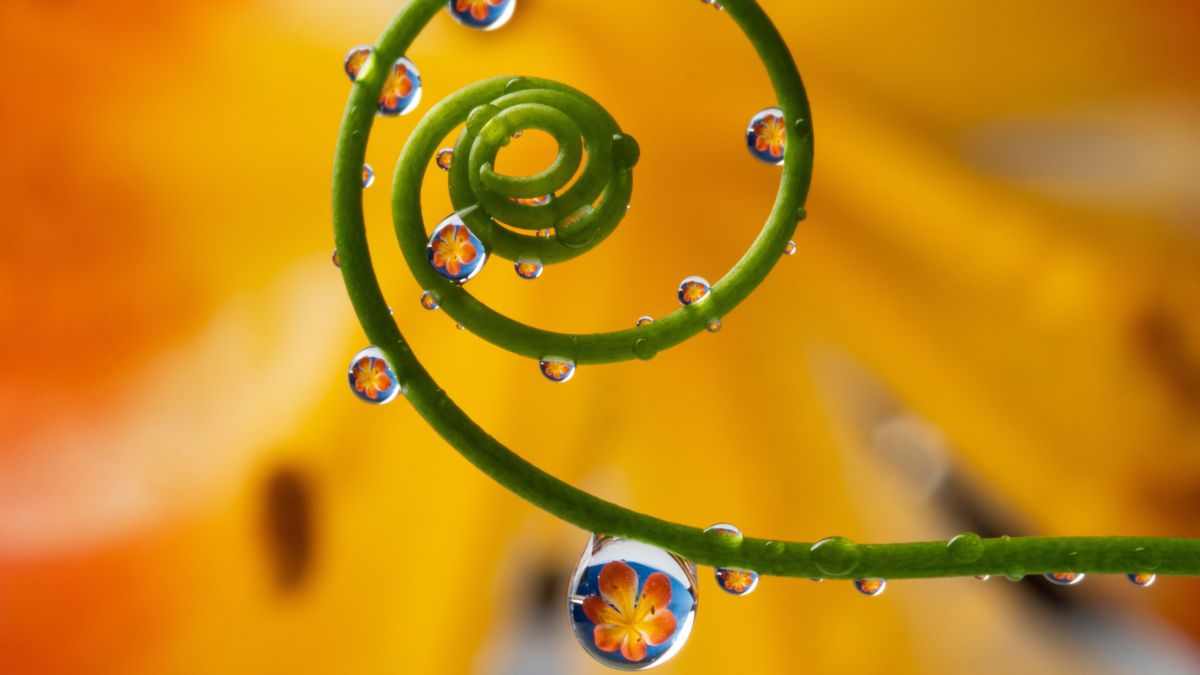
x,y
459,326
966,547
644,320
766,136
402,90
557,369
428,301
454,251
1065,578
546,233
693,290
983,577
643,349
527,268
372,378
835,556
715,4
368,175
357,62
871,587
731,579
789,248
625,152
1146,558
534,201
616,577
337,260
444,158
482,15
517,134
1142,579
713,325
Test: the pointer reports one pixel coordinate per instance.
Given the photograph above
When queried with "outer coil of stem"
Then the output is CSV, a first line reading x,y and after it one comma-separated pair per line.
x,y
470,187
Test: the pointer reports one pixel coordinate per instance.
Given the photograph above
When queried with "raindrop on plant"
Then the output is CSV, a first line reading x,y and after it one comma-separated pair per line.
x,y
870,586
454,251
766,136
402,89
1142,579
693,290
444,158
733,580
372,378
482,14
557,369
428,301
528,269
1065,578
356,64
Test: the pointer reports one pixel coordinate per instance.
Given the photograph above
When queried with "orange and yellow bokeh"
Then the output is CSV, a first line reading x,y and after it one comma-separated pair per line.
x,y
990,320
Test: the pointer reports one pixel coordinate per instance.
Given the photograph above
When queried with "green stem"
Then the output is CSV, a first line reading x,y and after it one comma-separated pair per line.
x,y
476,148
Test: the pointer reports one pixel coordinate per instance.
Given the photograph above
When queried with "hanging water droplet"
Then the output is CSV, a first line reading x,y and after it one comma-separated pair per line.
x,y
482,15
428,301
557,369
1065,578
966,547
835,556
368,176
459,326
731,579
372,378
713,325
533,201
789,248
545,233
444,158
337,260
983,577
714,3
870,587
766,136
693,290
1142,579
454,251
632,606
528,269
643,349
645,320
357,62
402,89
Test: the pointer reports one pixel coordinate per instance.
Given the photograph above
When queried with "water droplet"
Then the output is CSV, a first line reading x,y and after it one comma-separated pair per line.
x,y
459,326
644,321
357,62
731,579
517,134
789,248
870,587
966,547
428,301
714,3
402,90
444,157
368,176
625,152
766,136
693,290
1142,579
726,534
528,269
454,251
1146,558
713,325
482,14
534,201
557,369
643,349
545,233
643,596
835,556
983,577
1065,578
372,378
337,260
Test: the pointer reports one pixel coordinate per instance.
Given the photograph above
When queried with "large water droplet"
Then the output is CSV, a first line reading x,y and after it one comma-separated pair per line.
x,y
402,89
870,587
528,269
836,556
645,320
766,136
357,62
428,301
454,251
1065,578
632,605
444,158
731,579
557,369
966,547
368,176
372,378
693,290
482,14
1142,579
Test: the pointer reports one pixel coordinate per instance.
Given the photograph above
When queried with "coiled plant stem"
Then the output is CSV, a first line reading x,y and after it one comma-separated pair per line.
x,y
490,109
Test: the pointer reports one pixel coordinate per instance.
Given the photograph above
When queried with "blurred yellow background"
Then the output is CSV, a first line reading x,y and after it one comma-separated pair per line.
x,y
990,324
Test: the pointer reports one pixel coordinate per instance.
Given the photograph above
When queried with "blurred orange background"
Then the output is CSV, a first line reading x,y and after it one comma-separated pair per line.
x,y
990,324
